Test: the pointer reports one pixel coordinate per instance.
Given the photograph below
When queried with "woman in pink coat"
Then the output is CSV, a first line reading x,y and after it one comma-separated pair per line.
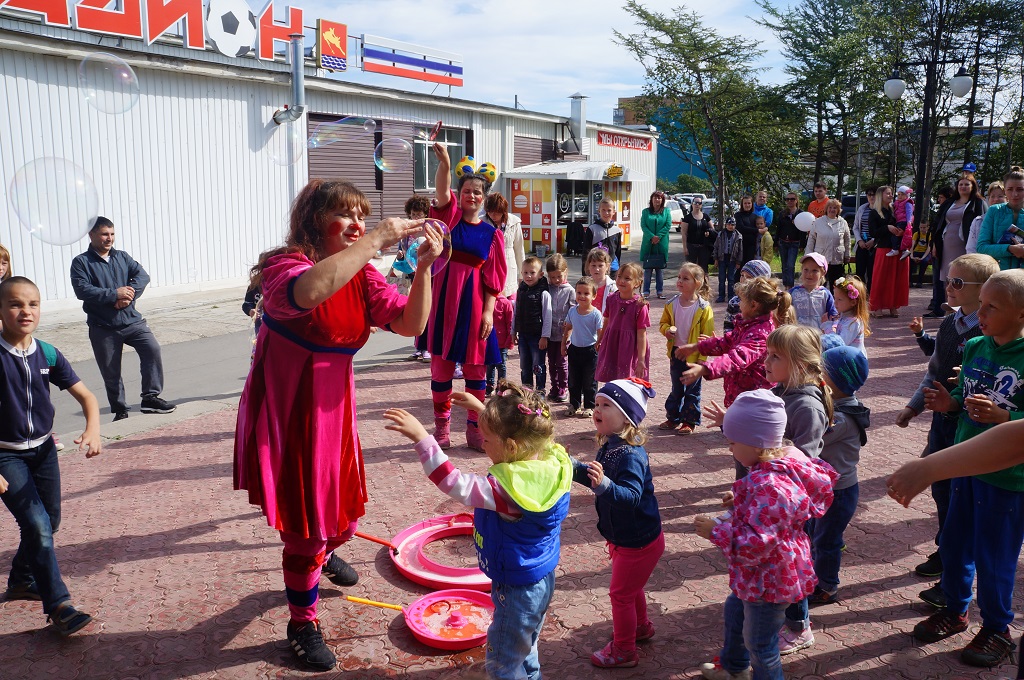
x,y
297,448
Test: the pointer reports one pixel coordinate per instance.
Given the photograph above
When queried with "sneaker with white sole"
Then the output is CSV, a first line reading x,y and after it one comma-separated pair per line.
x,y
793,641
892,253
426,357
156,405
712,670
905,254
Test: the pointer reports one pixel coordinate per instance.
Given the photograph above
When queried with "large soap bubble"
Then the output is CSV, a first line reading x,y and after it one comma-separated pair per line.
x,y
108,83
393,154
286,143
55,200
336,130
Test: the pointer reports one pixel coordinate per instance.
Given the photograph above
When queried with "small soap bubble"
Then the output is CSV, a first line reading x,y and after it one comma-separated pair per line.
x,y
345,128
393,154
55,200
108,83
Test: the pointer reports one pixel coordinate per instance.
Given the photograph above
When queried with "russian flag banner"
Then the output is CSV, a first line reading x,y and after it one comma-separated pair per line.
x,y
405,60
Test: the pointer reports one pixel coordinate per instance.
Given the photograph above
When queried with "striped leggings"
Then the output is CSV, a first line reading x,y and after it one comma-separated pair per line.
x,y
441,372
303,559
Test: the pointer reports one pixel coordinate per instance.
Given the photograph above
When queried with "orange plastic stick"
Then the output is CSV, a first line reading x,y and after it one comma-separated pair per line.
x,y
374,539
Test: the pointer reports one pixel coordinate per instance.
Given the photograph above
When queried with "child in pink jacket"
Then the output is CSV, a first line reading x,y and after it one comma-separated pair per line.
x,y
762,535
504,314
738,357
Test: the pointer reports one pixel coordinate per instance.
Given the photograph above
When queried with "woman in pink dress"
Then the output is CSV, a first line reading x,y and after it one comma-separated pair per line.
x,y
297,449
462,314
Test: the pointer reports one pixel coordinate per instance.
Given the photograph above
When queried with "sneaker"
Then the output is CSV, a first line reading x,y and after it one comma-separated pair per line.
x,y
905,254
720,300
443,432
56,442
713,671
645,631
458,372
610,657
661,296
415,356
668,425
931,567
684,429
892,253
339,572
558,397
587,413
934,596
988,648
489,391
793,641
67,620
308,644
940,626
157,405
27,591
120,415
474,437
935,315
426,356
571,412
821,596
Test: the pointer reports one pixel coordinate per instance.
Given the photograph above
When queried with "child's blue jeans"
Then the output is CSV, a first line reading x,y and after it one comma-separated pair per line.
x,y
512,636
496,372
827,536
532,371
683,403
726,278
752,637
33,497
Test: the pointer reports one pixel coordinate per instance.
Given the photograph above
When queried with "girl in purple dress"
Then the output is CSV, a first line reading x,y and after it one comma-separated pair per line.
x,y
462,314
622,349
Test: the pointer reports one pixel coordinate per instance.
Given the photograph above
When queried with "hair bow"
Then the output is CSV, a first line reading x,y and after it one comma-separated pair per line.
x,y
601,246
523,408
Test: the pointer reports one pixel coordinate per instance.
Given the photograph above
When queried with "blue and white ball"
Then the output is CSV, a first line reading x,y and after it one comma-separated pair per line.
x,y
230,27
465,166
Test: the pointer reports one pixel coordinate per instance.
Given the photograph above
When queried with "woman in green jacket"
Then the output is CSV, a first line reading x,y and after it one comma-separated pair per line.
x,y
656,223
1001,234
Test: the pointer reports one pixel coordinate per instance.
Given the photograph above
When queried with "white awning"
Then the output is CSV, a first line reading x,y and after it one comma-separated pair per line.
x,y
589,171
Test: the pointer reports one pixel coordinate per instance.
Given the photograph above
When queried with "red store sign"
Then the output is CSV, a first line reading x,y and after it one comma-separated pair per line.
x,y
625,141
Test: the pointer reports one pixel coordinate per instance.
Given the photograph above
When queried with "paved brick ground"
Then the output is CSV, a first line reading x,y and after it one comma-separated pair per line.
x,y
183,576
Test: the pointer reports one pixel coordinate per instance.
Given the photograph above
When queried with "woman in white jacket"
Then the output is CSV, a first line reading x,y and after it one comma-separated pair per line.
x,y
830,236
512,228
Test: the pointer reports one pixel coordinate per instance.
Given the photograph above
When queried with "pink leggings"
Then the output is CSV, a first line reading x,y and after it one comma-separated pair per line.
x,y
303,559
631,568
441,372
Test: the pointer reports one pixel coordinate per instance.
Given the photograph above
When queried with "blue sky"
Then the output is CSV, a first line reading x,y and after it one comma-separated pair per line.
x,y
540,50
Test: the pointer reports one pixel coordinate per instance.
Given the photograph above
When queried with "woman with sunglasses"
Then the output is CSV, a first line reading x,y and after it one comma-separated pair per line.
x,y
698,235
952,231
791,239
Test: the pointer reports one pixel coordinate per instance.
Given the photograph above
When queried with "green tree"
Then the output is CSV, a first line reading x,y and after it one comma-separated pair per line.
x,y
691,184
702,92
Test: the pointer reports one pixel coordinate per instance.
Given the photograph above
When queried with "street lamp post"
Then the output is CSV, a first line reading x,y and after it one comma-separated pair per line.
x,y
959,85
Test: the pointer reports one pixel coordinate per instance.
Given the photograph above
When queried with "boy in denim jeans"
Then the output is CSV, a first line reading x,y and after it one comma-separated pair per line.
x,y
29,472
532,324
983,533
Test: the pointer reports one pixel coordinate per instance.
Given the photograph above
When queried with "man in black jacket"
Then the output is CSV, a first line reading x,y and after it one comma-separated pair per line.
x,y
108,282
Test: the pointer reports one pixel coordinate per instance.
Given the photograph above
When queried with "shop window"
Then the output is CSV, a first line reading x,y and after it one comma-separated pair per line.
x,y
426,162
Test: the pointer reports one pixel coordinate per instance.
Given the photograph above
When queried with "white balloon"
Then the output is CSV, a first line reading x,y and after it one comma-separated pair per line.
x,y
803,221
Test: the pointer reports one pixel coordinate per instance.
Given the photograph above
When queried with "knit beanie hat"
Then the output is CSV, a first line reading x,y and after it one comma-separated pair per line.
x,y
904,190
758,268
757,418
831,340
847,367
630,397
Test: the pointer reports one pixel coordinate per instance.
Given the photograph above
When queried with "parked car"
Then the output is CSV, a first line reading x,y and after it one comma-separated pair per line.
x,y
850,205
676,211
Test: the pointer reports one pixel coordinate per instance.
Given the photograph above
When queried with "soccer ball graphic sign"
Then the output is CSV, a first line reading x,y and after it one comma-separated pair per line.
x,y
230,27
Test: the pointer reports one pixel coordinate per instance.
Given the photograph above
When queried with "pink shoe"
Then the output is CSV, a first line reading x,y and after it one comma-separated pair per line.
x,y
474,438
610,657
645,631
443,432
792,641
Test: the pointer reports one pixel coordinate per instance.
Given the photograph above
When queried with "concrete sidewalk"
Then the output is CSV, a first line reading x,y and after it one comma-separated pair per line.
x,y
183,575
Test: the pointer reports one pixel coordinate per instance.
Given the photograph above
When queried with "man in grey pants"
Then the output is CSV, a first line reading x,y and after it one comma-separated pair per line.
x,y
108,282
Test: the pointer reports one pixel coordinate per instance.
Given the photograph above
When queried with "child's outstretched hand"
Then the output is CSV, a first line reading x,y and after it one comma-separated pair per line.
x,y
715,414
679,354
938,399
703,525
467,401
90,444
916,325
904,417
595,472
693,374
3,484
688,348
405,424
728,498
